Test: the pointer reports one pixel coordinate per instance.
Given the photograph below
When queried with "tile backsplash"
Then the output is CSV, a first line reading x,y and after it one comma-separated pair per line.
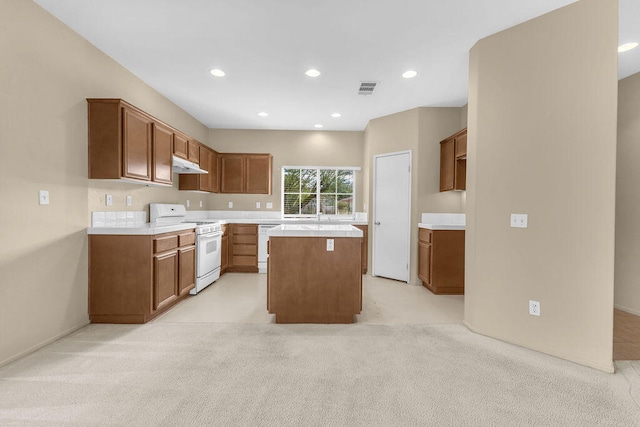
x,y
118,218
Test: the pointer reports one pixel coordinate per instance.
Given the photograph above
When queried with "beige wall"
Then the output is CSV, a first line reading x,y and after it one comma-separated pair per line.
x,y
542,141
627,282
419,130
289,148
47,72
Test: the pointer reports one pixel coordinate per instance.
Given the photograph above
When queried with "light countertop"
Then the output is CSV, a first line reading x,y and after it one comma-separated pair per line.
x,y
315,230
443,221
141,229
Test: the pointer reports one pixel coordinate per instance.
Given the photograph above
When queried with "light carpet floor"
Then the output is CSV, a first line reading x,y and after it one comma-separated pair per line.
x,y
297,375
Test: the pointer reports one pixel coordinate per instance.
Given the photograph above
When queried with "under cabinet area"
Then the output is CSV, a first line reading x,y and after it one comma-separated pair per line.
x,y
441,260
203,182
134,278
453,162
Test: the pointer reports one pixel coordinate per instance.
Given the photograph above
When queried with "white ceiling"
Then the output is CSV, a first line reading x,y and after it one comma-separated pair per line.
x,y
265,46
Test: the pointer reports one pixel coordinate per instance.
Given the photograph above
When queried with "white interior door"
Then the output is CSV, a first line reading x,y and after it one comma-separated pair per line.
x,y
392,215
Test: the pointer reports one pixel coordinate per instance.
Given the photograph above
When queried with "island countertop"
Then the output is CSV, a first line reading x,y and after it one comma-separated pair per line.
x,y
315,230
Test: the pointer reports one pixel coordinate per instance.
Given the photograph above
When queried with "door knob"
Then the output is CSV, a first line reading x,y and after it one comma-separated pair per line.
x,y
377,223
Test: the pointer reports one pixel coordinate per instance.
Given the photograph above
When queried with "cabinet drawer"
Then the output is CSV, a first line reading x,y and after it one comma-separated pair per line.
x,y
187,239
424,235
245,229
165,243
245,250
243,260
246,239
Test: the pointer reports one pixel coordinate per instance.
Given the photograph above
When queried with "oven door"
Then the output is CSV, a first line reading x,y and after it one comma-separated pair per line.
x,y
208,247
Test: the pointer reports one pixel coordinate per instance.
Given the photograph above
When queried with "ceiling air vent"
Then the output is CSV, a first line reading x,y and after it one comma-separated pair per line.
x,y
367,88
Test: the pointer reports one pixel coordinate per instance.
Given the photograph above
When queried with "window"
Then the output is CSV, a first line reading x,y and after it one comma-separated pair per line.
x,y
308,191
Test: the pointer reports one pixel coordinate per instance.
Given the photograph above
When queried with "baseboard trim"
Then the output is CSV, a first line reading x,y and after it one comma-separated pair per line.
x,y
40,345
627,309
561,355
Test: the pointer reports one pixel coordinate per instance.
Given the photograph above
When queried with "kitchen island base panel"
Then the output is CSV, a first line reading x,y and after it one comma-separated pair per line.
x,y
308,284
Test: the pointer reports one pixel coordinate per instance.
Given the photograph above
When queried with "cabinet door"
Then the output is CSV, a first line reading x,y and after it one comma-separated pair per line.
x,y
180,146
461,145
224,258
214,184
365,246
193,152
165,279
447,164
258,174
187,278
204,182
232,173
424,262
162,153
136,141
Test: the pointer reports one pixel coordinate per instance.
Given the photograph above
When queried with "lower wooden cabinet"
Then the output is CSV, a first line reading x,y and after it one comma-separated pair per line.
x,y
134,278
365,246
441,260
224,256
243,248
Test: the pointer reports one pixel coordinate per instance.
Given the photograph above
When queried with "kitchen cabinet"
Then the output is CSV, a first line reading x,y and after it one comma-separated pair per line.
x,y
453,162
365,246
162,154
134,278
441,260
242,173
127,143
224,256
203,182
243,248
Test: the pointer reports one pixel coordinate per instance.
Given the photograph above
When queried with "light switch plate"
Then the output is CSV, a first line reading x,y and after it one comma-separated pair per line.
x,y
200,203
188,203
43,197
257,205
269,205
230,205
329,245
128,200
108,199
519,220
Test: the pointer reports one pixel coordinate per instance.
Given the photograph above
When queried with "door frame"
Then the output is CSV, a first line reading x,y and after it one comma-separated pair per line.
x,y
373,244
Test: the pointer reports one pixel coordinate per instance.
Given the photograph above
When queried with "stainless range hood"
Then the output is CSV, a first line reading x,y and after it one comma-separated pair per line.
x,y
185,166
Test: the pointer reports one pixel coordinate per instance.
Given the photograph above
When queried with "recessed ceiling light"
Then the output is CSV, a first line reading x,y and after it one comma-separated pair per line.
x,y
627,46
263,114
217,73
318,126
312,73
336,115
409,74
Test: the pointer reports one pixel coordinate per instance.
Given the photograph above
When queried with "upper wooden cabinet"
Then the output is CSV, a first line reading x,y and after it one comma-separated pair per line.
x,y
453,162
245,173
125,142
202,182
162,153
186,148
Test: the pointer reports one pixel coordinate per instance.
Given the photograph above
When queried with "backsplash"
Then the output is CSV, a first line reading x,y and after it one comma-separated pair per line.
x,y
118,218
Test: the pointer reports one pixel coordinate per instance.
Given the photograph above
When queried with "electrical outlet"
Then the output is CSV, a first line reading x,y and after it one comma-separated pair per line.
x,y
200,203
230,205
43,197
269,205
534,308
108,199
329,245
128,200
188,203
519,220
257,205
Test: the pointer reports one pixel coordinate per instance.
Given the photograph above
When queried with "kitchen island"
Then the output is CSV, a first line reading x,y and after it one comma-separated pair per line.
x,y
314,273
